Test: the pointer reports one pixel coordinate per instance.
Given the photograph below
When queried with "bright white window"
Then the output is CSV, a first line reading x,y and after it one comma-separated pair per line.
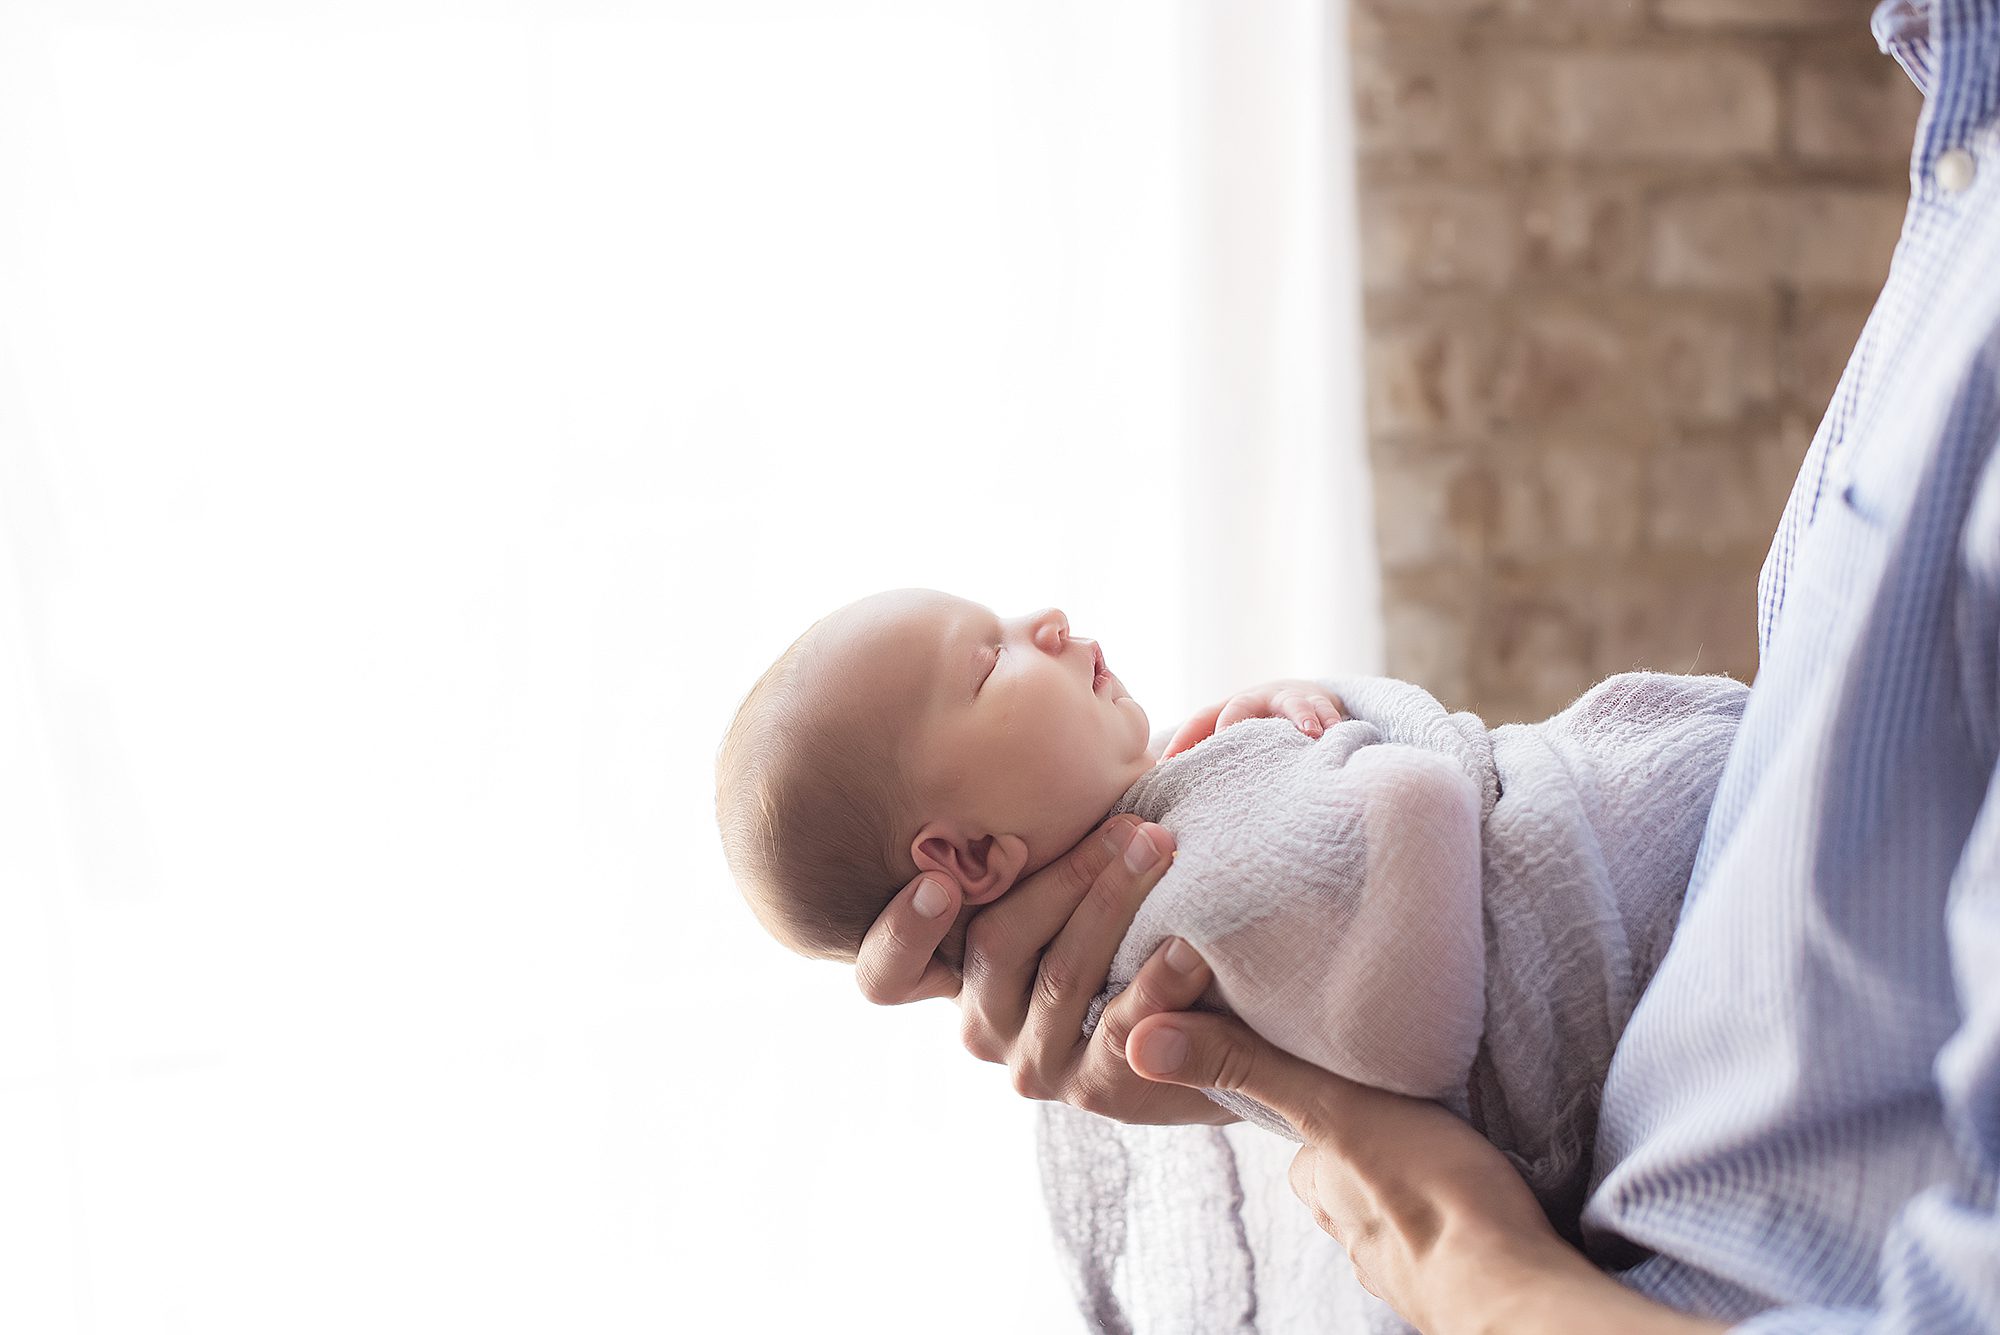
x,y
419,423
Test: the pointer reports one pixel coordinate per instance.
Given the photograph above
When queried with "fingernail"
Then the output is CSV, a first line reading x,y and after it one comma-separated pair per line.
x,y
1140,853
1163,1050
1182,956
930,899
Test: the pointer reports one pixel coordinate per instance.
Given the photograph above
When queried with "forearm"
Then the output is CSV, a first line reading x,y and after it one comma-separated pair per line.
x,y
1544,1287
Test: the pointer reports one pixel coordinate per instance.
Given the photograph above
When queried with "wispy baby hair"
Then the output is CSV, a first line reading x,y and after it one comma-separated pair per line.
x,y
811,801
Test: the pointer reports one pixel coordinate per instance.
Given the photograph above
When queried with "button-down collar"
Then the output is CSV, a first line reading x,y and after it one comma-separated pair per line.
x,y
1902,29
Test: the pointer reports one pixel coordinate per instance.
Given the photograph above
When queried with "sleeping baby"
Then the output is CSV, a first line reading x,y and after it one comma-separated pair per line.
x,y
1408,899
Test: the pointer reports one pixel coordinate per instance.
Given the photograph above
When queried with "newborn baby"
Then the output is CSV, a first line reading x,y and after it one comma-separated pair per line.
x,y
915,731
1409,900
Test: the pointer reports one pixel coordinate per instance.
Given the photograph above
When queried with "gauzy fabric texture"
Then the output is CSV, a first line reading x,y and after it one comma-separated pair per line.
x,y
1415,902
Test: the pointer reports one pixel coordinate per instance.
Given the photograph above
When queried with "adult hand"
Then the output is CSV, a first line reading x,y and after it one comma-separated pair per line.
x,y
1033,961
1437,1222
1305,703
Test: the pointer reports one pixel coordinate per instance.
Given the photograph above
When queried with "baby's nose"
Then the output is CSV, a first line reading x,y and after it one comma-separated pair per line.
x,y
1051,633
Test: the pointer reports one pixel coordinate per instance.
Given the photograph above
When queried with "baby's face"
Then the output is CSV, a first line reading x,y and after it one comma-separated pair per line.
x,y
1015,727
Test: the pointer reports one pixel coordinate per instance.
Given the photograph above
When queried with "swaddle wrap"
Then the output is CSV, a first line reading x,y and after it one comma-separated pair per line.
x,y
1413,901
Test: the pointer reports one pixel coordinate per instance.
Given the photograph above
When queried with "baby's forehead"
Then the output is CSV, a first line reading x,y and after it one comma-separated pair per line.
x,y
886,651
910,628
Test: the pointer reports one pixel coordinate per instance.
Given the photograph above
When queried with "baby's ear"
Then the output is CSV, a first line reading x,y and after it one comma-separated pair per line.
x,y
985,866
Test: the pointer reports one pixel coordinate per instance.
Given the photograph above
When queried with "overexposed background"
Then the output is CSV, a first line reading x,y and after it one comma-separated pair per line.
x,y
419,424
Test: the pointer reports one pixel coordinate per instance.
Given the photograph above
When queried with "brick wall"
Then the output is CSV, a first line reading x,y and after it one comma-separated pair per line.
x,y
1614,254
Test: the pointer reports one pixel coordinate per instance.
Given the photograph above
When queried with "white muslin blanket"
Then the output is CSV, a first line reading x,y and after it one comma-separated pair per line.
x,y
1413,901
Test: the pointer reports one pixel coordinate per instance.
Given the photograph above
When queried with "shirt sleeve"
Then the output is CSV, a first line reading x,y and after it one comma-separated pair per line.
x,y
1939,1269
1382,982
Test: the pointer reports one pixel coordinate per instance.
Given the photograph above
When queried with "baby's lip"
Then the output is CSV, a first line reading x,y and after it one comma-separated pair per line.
x,y
1099,673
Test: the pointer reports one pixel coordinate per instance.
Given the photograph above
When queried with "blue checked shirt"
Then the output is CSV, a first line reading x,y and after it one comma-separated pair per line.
x,y
1801,1126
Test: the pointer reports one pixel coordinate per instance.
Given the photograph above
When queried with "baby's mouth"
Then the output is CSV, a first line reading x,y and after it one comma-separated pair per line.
x,y
1100,674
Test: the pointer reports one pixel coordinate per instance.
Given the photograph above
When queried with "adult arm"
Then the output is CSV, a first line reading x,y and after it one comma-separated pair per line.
x,y
1437,1222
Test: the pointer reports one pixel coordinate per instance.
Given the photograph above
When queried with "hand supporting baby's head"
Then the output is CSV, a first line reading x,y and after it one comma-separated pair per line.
x,y
909,732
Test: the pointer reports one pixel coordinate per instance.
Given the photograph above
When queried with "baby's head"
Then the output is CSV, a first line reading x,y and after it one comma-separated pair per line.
x,y
913,731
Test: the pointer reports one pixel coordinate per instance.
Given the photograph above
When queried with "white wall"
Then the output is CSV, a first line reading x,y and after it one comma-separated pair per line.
x,y
419,423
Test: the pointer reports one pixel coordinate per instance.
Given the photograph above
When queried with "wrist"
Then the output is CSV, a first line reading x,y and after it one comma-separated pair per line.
x,y
1546,1287
1493,1283
1529,1291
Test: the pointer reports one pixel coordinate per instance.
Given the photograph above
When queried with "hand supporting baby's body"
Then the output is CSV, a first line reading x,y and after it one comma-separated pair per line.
x,y
1561,848
1334,887
1416,902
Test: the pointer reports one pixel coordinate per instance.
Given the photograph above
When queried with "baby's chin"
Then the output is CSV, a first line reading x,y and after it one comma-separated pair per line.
x,y
1142,725
1131,703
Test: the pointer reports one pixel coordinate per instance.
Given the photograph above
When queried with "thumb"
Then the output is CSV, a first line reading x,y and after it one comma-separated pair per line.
x,y
1217,1052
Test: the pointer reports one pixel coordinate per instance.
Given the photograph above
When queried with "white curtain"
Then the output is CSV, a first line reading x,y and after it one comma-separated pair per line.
x,y
420,420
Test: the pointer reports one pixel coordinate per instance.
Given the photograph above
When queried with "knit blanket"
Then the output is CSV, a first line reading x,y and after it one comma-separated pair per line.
x,y
1413,901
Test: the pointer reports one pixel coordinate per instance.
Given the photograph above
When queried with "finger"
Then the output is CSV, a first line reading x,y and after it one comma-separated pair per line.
x,y
897,961
1330,711
1074,967
1172,980
1197,729
1112,1090
1241,707
1004,945
1216,1052
1104,1083
1302,712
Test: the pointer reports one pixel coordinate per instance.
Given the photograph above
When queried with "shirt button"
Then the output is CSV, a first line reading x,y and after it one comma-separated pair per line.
x,y
1953,169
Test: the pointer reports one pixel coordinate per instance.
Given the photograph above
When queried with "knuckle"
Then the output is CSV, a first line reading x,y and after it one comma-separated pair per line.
x,y
1109,1039
1122,1015
1141,997
974,975
1082,867
872,986
1077,876
1139,1000
1027,1080
1075,872
1092,914
978,1037
1095,1096
1054,983
1236,1067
